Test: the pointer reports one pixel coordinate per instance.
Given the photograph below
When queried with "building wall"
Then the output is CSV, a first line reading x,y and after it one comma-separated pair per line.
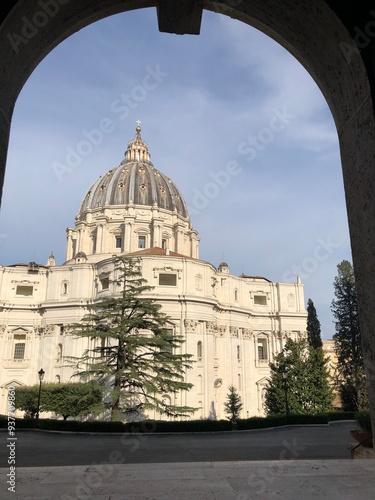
x,y
241,323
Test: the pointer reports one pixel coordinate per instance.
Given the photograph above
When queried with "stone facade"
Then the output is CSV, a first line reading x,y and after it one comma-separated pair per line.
x,y
232,325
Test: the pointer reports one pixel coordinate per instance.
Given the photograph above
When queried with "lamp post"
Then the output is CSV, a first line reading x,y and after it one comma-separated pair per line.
x,y
41,373
286,394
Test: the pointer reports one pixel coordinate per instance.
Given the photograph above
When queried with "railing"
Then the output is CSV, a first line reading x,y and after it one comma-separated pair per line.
x,y
16,363
353,448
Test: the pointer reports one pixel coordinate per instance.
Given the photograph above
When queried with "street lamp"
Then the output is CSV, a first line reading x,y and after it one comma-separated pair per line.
x,y
286,394
41,373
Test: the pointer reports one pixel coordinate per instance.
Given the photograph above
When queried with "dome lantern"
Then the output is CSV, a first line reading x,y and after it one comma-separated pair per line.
x,y
137,148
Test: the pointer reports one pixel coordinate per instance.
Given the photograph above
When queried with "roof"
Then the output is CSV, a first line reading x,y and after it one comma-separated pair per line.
x,y
156,251
135,181
255,277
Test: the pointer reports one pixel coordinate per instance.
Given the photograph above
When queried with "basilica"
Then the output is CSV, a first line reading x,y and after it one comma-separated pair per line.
x,y
232,325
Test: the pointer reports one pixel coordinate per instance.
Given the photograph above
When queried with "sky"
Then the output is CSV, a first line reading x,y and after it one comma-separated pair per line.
x,y
230,116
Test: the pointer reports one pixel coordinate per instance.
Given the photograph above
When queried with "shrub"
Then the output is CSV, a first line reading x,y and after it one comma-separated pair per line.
x,y
160,426
340,415
363,418
261,422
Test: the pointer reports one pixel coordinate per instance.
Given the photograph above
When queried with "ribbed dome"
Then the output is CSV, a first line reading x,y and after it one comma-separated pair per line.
x,y
136,181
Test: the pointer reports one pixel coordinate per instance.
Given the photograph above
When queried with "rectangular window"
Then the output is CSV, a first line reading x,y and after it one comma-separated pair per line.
x,y
164,244
262,350
118,242
61,329
19,346
167,279
141,241
260,300
94,244
24,290
104,283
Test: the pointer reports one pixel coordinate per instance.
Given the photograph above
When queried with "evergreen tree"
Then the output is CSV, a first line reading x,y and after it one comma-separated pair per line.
x,y
133,352
347,337
314,336
299,381
233,405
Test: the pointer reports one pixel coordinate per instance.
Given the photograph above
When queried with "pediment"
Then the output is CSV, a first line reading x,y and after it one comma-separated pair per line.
x,y
19,329
13,383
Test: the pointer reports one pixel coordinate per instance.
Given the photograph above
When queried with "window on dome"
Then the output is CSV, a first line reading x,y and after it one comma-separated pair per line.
x,y
94,244
141,241
118,242
167,279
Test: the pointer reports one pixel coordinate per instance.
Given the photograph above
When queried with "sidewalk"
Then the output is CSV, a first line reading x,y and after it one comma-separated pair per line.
x,y
261,480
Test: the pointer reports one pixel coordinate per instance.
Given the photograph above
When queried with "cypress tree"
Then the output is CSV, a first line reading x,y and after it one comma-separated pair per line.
x,y
314,335
347,337
233,405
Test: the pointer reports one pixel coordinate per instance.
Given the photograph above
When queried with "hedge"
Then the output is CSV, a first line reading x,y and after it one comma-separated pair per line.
x,y
160,426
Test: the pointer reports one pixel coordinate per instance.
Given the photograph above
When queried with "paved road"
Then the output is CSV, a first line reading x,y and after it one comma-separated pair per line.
x,y
40,449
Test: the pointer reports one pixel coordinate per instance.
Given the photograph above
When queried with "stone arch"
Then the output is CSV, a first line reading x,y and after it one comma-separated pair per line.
x,y
321,34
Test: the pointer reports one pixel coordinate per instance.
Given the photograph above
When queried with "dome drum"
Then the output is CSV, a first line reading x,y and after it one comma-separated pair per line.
x,y
138,197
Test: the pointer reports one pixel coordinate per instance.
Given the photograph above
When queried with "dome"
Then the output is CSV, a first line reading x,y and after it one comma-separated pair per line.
x,y
223,264
135,181
223,268
81,255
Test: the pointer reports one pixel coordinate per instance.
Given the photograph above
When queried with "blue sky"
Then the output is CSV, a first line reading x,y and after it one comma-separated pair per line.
x,y
230,116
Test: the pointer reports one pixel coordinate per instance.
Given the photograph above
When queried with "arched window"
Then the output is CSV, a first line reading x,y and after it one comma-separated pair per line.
x,y
238,353
199,350
235,294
